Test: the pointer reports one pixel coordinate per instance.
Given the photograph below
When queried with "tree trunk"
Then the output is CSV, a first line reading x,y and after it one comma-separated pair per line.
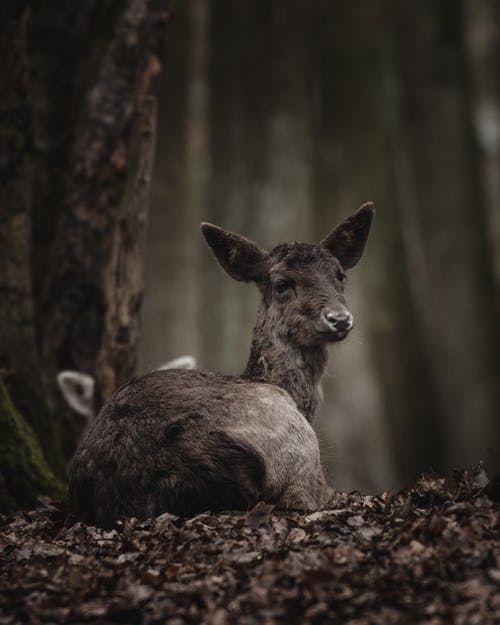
x,y
76,292
117,360
66,43
24,472
19,361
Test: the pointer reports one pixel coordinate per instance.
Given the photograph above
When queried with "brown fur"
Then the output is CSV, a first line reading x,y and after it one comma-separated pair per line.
x,y
188,441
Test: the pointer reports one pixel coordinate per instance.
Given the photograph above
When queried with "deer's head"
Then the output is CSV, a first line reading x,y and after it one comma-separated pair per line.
x,y
302,284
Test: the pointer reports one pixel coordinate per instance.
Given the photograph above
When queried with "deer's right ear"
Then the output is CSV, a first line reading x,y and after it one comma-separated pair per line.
x,y
239,257
347,241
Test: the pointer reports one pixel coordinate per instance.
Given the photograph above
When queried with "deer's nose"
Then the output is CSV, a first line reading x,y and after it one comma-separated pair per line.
x,y
340,319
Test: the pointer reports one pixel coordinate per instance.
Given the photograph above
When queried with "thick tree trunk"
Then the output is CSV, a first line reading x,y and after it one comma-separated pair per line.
x,y
66,43
24,472
18,354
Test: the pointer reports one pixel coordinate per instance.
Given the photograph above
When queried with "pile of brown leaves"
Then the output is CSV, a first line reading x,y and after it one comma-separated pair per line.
x,y
430,554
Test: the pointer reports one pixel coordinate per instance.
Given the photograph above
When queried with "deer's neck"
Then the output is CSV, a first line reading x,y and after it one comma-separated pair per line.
x,y
296,369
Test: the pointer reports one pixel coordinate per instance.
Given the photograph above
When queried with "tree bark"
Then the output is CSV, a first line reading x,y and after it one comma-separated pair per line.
x,y
24,472
18,354
117,360
66,43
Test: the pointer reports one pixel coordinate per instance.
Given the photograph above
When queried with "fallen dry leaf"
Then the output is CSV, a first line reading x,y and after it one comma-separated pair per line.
x,y
430,554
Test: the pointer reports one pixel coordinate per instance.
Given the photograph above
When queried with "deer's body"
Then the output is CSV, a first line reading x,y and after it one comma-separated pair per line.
x,y
189,441
211,436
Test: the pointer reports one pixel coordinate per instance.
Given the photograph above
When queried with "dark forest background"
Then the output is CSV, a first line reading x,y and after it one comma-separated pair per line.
x,y
275,119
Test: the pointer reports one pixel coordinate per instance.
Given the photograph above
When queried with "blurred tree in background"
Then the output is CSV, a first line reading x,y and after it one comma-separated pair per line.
x,y
275,119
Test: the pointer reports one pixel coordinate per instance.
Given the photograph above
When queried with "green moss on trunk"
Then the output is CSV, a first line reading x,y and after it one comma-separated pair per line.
x,y
26,394
24,472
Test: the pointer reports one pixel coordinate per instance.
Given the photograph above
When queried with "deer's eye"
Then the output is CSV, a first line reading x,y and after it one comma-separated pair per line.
x,y
282,285
340,275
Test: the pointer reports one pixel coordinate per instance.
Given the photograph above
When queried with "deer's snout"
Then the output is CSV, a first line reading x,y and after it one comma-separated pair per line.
x,y
339,320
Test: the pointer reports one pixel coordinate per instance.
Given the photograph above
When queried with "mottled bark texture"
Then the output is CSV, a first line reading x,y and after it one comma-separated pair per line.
x,y
117,358
76,294
19,361
24,472
66,43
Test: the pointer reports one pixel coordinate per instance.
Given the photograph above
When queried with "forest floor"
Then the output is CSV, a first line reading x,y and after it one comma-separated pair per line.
x,y
429,554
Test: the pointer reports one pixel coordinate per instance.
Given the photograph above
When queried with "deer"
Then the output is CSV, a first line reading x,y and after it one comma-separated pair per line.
x,y
78,388
190,441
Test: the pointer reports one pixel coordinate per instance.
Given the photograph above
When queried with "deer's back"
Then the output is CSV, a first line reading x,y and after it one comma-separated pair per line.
x,y
188,441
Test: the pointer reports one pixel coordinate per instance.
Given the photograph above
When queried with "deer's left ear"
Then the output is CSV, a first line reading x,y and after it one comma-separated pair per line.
x,y
239,257
347,241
